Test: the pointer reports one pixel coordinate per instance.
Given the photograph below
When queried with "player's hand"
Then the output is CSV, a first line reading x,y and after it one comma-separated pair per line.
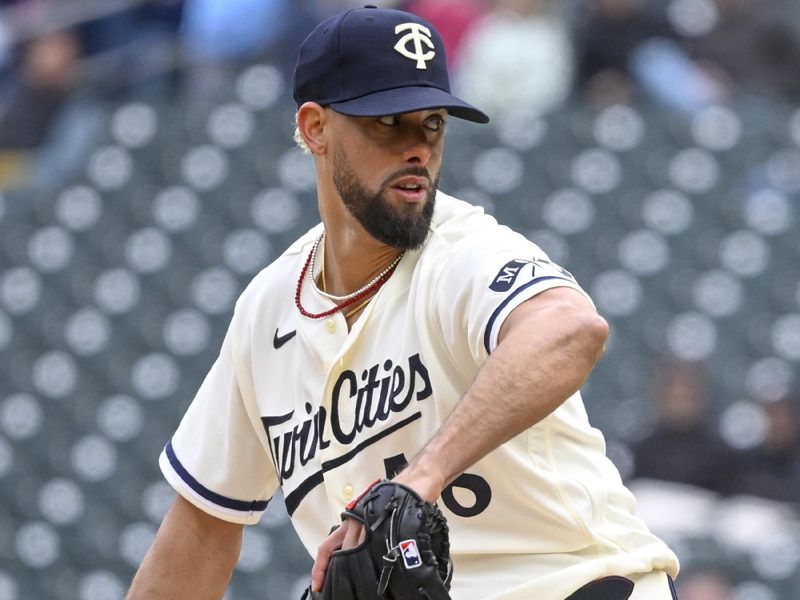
x,y
348,535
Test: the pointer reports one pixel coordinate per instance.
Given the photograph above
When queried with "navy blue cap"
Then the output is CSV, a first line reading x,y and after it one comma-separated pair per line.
x,y
371,62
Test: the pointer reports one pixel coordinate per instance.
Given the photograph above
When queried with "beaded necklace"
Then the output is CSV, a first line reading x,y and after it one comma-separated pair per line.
x,y
342,301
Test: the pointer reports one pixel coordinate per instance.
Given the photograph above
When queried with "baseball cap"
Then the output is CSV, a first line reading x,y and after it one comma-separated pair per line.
x,y
371,62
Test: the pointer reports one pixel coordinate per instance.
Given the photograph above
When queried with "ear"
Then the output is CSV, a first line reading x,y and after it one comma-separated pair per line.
x,y
311,121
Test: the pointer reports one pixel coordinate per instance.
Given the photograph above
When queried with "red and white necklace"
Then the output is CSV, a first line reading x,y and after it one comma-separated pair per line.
x,y
342,301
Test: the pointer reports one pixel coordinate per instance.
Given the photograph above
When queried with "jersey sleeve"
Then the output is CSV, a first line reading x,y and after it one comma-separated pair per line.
x,y
483,280
218,458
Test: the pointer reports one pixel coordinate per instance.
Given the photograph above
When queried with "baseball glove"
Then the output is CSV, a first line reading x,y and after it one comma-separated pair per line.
x,y
405,555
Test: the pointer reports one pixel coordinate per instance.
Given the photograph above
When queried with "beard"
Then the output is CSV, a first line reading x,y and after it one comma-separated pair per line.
x,y
391,225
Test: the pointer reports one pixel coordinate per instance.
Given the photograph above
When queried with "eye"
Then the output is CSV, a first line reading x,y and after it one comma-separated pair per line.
x,y
435,123
388,120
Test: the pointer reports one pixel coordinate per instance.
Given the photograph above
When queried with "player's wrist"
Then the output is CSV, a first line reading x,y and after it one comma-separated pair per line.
x,y
424,478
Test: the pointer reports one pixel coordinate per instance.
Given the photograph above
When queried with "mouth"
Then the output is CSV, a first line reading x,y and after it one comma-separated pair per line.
x,y
411,189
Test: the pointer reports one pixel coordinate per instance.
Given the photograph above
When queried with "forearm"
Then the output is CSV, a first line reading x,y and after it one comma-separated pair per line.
x,y
192,557
543,358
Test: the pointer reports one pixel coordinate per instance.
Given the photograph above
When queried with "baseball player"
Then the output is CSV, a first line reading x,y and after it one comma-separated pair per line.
x,y
407,336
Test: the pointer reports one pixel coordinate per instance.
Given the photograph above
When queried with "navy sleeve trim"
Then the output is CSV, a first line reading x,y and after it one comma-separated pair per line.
x,y
487,335
204,492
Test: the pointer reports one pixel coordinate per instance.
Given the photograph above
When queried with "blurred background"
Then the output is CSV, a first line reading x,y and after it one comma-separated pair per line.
x,y
148,172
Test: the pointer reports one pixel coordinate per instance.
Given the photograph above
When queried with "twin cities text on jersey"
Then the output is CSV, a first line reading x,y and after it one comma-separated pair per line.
x,y
359,402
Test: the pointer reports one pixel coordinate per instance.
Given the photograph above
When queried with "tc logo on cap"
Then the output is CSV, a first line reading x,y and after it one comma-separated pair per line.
x,y
418,34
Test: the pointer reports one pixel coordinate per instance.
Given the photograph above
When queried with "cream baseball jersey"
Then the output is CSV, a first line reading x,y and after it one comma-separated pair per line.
x,y
308,406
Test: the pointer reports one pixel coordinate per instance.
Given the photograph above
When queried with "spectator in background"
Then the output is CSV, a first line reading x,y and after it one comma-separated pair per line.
x,y
606,38
6,46
133,49
683,447
221,36
217,30
41,87
453,19
44,81
754,49
624,49
772,470
51,106
517,57
126,47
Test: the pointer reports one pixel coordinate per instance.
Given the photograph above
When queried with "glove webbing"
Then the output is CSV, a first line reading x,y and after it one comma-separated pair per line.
x,y
392,547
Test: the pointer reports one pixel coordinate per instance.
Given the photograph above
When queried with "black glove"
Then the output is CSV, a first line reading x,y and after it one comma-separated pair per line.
x,y
405,555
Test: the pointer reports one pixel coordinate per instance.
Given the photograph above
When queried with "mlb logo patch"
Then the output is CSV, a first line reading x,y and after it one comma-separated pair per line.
x,y
410,554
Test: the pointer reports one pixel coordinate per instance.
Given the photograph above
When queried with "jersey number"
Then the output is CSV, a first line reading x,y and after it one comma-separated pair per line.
x,y
473,483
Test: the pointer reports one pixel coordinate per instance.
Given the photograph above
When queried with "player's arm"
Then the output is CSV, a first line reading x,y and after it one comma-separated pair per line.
x,y
192,557
546,349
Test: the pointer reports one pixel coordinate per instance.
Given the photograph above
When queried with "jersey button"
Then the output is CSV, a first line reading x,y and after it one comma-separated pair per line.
x,y
330,325
348,492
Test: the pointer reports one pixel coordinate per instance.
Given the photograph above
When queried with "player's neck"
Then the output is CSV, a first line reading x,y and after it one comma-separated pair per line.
x,y
350,255
349,263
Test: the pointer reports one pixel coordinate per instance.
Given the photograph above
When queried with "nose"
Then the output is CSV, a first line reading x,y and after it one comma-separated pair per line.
x,y
419,148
